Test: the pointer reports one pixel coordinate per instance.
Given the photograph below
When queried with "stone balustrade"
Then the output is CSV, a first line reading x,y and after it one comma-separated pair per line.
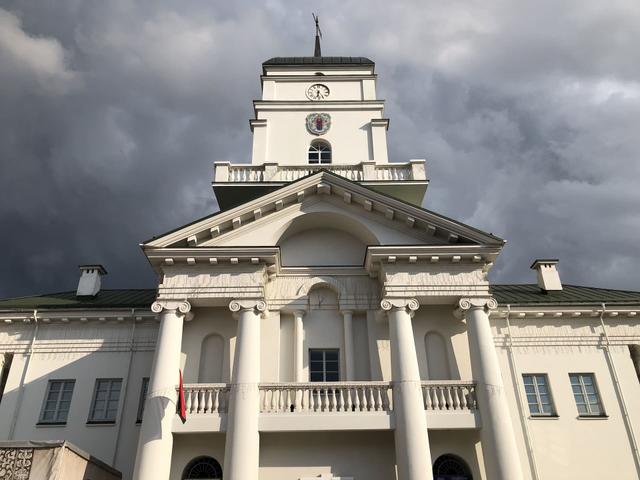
x,y
449,395
326,397
331,397
208,398
361,172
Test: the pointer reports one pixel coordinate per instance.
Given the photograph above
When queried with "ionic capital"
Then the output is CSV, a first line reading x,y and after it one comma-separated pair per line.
x,y
179,307
388,304
243,304
471,303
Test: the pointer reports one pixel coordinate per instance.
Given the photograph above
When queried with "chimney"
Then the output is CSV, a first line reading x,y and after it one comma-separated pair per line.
x,y
89,284
548,277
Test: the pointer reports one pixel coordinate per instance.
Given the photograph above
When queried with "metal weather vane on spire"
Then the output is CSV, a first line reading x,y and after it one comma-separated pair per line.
x,y
317,52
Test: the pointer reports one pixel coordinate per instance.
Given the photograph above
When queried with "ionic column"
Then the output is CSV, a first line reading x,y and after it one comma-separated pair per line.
x,y
298,348
498,439
413,455
155,444
349,362
242,448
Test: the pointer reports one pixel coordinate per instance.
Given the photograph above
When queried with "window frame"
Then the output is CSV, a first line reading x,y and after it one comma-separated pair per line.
x,y
144,390
536,392
92,420
585,395
324,364
43,409
315,148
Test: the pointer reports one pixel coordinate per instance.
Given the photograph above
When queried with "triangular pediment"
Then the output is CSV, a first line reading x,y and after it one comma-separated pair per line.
x,y
332,202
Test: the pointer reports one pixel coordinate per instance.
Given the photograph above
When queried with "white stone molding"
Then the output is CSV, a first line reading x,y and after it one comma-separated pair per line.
x,y
388,304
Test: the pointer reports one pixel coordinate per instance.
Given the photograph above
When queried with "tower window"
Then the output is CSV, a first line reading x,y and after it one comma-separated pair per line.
x,y
319,152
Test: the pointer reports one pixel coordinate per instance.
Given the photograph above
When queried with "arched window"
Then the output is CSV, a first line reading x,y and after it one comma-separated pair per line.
x,y
319,152
203,468
451,467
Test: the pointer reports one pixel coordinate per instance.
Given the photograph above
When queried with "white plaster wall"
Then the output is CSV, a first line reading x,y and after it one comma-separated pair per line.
x,y
342,89
188,447
362,367
362,455
324,212
288,139
79,352
462,443
569,446
322,247
440,319
207,321
286,367
323,326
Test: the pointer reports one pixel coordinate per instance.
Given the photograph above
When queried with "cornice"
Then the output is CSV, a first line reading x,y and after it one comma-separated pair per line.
x,y
481,255
323,183
566,312
59,316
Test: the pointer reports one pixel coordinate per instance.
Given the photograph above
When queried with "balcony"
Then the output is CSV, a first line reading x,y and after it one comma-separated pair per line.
x,y
233,183
331,406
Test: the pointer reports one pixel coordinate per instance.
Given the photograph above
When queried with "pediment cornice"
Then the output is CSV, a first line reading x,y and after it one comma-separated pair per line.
x,y
444,230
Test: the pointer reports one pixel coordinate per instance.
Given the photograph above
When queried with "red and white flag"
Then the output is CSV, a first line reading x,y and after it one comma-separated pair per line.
x,y
182,409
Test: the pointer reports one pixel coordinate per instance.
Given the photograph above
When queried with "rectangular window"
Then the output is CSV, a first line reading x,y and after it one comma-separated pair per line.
x,y
324,365
106,396
143,397
57,402
585,392
536,387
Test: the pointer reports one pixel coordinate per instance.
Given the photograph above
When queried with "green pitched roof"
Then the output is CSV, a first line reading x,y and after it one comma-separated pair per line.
x,y
504,294
570,294
138,298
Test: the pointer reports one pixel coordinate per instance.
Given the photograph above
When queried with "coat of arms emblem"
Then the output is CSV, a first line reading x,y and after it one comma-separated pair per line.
x,y
318,123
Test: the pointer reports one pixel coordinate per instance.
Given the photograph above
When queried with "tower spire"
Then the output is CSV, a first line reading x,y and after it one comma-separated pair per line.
x,y
317,52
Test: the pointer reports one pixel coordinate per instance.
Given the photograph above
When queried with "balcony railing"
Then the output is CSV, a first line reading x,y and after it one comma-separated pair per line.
x,y
326,397
273,172
450,395
332,397
211,398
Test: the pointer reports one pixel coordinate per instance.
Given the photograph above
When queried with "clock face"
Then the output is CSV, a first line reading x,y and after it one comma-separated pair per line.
x,y
317,92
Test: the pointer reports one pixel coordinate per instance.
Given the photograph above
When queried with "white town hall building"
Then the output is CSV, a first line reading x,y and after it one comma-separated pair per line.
x,y
326,326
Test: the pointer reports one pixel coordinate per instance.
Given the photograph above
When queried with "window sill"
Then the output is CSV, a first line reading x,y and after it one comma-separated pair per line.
x,y
544,417
51,424
109,423
592,417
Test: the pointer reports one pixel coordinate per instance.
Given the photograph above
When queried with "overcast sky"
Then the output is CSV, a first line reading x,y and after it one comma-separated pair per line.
x,y
112,114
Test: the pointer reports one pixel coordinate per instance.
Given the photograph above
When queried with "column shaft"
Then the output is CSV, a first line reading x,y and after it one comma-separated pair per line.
x,y
298,350
155,444
498,439
242,448
413,456
349,362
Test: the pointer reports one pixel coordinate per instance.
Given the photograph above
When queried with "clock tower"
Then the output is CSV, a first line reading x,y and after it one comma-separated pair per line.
x,y
318,113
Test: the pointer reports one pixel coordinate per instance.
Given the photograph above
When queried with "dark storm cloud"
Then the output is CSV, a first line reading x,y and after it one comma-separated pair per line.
x,y
111,114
